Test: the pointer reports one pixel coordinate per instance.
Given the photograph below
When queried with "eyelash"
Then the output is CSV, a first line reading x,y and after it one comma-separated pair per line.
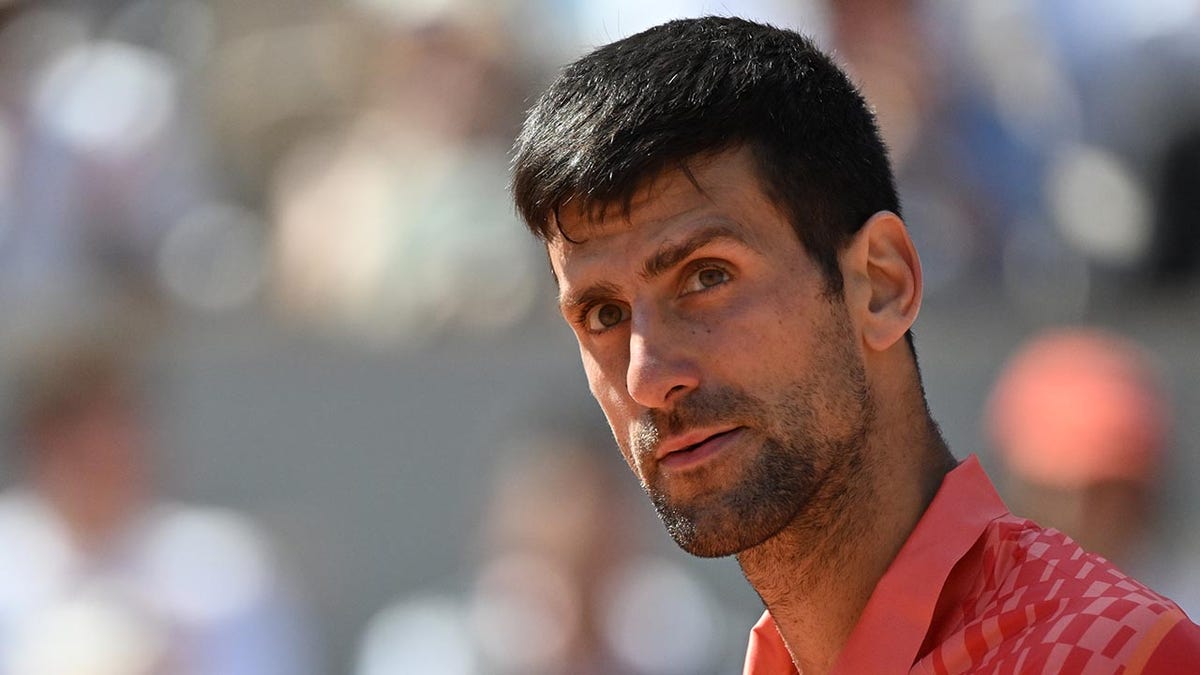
x,y
582,318
700,266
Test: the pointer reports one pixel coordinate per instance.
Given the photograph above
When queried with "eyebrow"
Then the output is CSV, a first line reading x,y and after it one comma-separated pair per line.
x,y
587,296
669,255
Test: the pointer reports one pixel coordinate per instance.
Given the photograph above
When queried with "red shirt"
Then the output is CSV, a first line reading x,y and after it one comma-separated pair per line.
x,y
978,590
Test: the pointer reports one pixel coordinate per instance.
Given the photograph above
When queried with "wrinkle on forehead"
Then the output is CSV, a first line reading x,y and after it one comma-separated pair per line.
x,y
670,252
579,215
664,199
567,252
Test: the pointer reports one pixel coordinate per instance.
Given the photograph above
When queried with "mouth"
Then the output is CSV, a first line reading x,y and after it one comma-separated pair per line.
x,y
693,449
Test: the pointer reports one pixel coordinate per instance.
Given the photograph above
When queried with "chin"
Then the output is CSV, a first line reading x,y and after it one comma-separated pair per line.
x,y
708,549
709,536
715,545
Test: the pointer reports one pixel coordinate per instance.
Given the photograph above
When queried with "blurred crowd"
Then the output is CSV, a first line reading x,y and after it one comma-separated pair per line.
x,y
103,574
561,580
342,164
341,167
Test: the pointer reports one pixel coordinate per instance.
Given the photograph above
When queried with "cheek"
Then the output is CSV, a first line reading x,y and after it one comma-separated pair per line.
x,y
618,413
609,392
767,345
606,378
770,325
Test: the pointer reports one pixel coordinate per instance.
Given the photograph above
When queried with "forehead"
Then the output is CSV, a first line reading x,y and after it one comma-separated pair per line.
x,y
721,189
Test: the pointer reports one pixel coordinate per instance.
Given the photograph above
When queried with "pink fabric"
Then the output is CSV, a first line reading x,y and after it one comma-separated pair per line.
x,y
978,590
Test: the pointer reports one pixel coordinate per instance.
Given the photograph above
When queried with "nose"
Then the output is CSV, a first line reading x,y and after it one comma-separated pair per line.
x,y
661,367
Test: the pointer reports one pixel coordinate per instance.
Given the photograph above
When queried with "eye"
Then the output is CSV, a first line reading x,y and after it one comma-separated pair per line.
x,y
604,316
705,277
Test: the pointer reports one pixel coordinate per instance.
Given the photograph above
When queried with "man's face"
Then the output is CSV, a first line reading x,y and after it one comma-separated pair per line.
x,y
733,382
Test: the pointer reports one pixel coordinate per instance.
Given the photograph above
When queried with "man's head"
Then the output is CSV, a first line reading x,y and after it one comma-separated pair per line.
x,y
633,109
1082,421
78,422
721,219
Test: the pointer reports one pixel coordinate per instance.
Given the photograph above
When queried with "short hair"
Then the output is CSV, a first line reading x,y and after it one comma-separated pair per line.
x,y
630,110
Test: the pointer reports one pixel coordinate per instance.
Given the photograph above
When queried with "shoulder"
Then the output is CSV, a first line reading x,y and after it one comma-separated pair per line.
x,y
1058,608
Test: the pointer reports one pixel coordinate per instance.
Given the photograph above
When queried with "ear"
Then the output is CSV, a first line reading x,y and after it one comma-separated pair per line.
x,y
883,280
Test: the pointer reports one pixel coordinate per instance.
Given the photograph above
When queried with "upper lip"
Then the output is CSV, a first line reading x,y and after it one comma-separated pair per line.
x,y
684,441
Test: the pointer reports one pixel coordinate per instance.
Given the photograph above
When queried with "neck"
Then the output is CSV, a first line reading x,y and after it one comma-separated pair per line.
x,y
816,576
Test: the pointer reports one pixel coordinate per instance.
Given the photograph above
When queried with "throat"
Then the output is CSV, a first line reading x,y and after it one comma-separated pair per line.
x,y
814,590
817,575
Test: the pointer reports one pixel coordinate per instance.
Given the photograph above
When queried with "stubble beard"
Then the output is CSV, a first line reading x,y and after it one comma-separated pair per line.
x,y
807,471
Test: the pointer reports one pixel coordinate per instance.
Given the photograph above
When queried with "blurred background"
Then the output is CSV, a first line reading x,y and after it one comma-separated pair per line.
x,y
285,390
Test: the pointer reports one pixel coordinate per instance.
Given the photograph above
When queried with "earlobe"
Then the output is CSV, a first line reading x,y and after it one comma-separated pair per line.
x,y
887,276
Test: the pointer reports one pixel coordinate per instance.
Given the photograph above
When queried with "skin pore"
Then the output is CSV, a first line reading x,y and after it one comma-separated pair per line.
x,y
765,416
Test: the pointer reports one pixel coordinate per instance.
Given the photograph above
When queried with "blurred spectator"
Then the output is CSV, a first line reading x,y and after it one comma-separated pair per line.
x,y
1082,423
1044,145
1144,100
100,162
562,587
425,239
100,577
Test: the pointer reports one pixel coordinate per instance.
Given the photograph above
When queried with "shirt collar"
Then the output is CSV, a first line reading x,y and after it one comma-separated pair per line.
x,y
897,617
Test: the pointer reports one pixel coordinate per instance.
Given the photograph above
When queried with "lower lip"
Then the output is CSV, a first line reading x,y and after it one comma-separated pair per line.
x,y
686,459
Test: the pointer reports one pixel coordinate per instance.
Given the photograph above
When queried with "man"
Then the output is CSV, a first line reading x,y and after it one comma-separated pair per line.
x,y
722,221
562,583
1082,421
99,575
